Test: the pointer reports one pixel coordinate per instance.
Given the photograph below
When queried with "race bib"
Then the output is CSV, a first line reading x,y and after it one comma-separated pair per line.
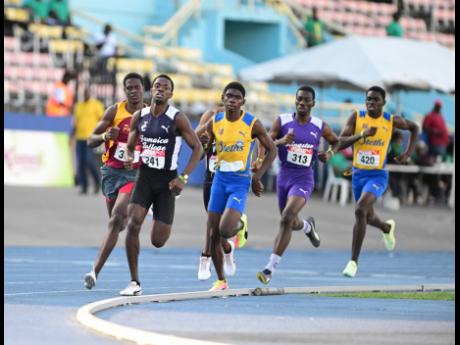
x,y
120,152
369,158
212,163
154,158
299,156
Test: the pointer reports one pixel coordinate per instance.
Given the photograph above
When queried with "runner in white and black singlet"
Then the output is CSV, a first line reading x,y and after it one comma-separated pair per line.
x,y
161,128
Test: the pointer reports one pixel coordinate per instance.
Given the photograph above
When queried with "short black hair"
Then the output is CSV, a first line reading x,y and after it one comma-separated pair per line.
x,y
237,86
377,89
308,89
132,75
166,77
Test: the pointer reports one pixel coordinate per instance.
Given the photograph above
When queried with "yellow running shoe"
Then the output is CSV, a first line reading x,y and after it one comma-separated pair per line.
x,y
389,239
242,236
351,269
219,285
264,276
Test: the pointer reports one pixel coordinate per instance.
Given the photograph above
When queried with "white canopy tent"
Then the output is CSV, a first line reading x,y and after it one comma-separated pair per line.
x,y
360,62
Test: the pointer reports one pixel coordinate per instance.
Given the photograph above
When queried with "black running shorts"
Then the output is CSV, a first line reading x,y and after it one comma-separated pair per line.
x,y
152,187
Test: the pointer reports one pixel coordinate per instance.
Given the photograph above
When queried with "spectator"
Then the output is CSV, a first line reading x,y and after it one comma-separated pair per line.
x,y
314,29
39,9
107,48
397,181
59,12
340,164
86,115
147,87
435,129
394,28
61,99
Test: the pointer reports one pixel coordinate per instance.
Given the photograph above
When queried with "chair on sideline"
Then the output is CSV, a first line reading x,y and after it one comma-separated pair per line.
x,y
333,184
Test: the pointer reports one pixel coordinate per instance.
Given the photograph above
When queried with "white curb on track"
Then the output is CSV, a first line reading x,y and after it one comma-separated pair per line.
x,y
85,315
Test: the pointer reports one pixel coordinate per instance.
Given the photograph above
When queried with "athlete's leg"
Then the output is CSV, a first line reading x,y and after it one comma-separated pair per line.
x,y
136,215
365,202
163,212
289,218
216,243
117,223
206,196
374,220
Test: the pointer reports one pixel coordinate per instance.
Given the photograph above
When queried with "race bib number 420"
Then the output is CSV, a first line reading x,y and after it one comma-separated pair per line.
x,y
369,158
300,156
120,153
154,158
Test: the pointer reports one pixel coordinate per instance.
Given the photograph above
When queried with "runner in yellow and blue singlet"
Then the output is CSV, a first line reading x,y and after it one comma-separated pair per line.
x,y
370,133
234,132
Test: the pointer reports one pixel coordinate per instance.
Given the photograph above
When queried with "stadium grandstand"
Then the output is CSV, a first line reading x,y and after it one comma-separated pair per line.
x,y
201,44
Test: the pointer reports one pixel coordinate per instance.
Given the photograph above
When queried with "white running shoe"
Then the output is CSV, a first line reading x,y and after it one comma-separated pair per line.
x,y
90,280
204,271
133,289
229,261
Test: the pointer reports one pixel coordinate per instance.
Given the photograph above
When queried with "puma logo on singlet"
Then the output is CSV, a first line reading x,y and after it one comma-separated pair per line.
x,y
314,134
165,128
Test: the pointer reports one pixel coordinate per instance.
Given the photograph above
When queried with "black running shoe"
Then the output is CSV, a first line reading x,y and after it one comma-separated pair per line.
x,y
313,235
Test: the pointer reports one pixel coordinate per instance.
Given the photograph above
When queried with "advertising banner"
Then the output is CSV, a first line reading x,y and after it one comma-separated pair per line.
x,y
33,158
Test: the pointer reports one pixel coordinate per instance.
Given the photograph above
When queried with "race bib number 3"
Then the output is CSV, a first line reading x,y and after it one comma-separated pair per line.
x,y
154,158
369,158
300,156
120,153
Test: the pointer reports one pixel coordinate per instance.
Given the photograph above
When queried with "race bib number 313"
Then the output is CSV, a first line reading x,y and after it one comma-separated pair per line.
x,y
369,158
300,156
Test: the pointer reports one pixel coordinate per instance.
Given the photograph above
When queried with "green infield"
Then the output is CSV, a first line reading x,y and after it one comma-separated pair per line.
x,y
425,295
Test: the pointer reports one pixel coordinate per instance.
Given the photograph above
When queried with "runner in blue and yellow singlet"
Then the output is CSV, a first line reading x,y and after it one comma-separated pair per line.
x,y
204,270
234,132
370,133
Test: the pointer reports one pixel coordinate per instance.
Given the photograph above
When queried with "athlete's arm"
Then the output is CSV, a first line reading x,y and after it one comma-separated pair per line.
x,y
348,138
100,133
201,129
332,139
132,140
259,132
273,134
190,137
401,123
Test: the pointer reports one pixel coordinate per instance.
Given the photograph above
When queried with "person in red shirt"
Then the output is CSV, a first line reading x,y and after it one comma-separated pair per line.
x,y
435,128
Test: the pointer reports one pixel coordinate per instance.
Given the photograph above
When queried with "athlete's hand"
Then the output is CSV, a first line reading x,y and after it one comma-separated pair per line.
x,y
288,138
402,158
204,138
112,133
369,132
128,163
176,186
324,156
257,186
256,164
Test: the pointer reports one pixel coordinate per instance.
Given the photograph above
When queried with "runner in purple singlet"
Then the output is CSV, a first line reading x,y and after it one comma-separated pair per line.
x,y
297,136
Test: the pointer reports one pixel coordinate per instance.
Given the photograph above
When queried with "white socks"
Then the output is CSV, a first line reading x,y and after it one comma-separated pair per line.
x,y
273,262
306,227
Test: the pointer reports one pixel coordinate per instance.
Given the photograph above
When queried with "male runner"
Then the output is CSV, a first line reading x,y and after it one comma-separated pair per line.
x,y
297,136
370,133
234,132
117,182
161,128
204,269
